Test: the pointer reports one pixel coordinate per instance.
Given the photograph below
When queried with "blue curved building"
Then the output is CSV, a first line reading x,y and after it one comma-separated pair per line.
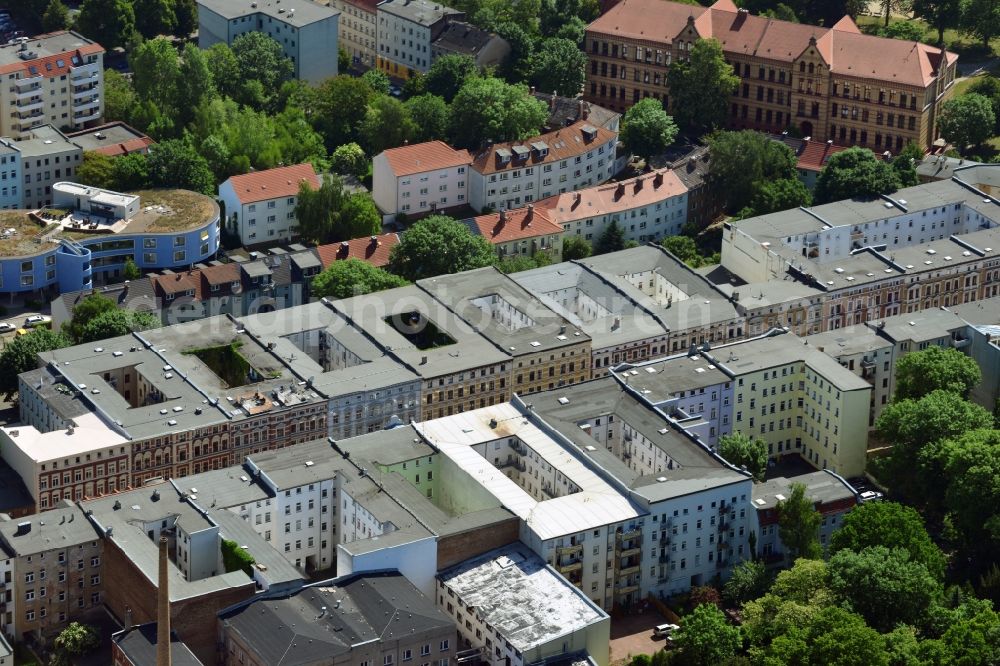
x,y
88,234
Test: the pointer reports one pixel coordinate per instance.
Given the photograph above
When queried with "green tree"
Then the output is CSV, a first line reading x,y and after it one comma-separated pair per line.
x,y
554,13
155,72
21,354
831,636
967,120
559,66
349,159
700,87
115,323
905,164
974,639
935,369
797,595
176,163
706,638
576,247
359,216
342,104
111,23
743,161
487,109
97,170
611,239
890,525
972,470
318,211
889,7
387,124
224,69
437,245
260,58
194,82
131,271
352,277
782,194
883,585
343,60
573,29
854,172
75,640
940,14
981,19
745,451
56,17
798,525
448,74
377,80
119,97
186,15
130,172
154,17
517,66
749,580
431,117
913,427
84,312
646,129
909,31
684,248
989,87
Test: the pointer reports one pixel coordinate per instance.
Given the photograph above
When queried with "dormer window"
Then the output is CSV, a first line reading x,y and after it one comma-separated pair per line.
x,y
503,155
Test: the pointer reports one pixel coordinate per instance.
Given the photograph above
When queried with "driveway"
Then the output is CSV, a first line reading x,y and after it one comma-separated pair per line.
x,y
633,634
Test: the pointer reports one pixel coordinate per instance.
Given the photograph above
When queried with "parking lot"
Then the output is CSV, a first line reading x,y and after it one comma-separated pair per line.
x,y
633,634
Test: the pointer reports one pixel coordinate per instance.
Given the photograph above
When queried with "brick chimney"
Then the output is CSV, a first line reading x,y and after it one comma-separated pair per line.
x,y
530,214
503,217
163,609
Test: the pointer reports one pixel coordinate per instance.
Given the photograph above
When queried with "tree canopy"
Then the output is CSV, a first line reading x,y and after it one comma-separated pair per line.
x,y
559,66
798,524
967,120
646,129
575,247
706,638
935,369
352,277
747,160
700,87
437,245
611,239
329,215
742,450
488,109
448,74
21,354
115,323
111,23
855,172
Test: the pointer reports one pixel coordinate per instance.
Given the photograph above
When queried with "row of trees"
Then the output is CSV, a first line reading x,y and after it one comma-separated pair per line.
x,y
111,23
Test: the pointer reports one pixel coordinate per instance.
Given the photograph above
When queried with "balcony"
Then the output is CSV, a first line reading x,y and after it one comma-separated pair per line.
x,y
548,492
570,550
664,541
87,104
519,448
570,567
723,509
29,91
664,559
629,551
723,524
631,534
625,589
84,116
31,83
960,342
30,105
630,570
83,72
514,463
79,92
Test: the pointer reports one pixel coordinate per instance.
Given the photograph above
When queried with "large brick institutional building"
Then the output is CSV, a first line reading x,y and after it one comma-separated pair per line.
x,y
827,83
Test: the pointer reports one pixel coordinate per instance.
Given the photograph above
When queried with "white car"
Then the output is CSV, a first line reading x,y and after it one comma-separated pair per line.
x,y
5,327
870,496
36,320
665,630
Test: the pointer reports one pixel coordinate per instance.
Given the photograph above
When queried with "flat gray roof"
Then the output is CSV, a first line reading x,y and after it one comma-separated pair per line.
x,y
821,486
44,46
44,140
666,377
423,12
296,13
273,566
60,527
519,595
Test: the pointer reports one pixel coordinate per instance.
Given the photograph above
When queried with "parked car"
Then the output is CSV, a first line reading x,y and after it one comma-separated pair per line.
x,y
5,327
870,496
36,320
665,630
19,332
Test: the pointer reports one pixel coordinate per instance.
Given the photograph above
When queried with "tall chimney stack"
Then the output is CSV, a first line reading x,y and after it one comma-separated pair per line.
x,y
163,609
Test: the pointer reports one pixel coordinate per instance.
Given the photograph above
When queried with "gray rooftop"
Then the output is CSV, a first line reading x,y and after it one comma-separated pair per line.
x,y
660,380
268,561
525,600
984,312
44,46
422,12
296,13
62,527
821,486
323,622
139,645
462,37
941,167
107,135
922,326
44,140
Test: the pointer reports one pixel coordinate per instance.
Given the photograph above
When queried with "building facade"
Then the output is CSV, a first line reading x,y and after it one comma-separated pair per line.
x,y
420,179
55,79
260,206
406,30
520,233
47,157
358,31
306,31
827,83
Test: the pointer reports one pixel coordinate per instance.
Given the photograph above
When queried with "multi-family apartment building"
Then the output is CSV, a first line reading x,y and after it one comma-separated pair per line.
x,y
487,49
47,157
358,31
827,267
11,192
513,174
306,31
406,31
826,83
797,399
390,622
649,207
52,573
54,79
420,179
112,139
520,232
260,206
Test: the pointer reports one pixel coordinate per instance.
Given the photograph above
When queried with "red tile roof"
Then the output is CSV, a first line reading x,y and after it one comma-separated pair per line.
x,y
609,198
562,144
518,224
845,49
178,283
273,183
126,147
427,156
42,63
814,154
374,252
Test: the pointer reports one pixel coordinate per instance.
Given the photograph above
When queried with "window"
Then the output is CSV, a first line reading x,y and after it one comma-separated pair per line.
x,y
387,660
445,645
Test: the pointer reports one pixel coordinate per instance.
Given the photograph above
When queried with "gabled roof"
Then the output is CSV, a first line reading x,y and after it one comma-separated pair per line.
x,y
177,283
845,49
427,156
273,183
513,225
374,250
612,197
51,49
559,145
